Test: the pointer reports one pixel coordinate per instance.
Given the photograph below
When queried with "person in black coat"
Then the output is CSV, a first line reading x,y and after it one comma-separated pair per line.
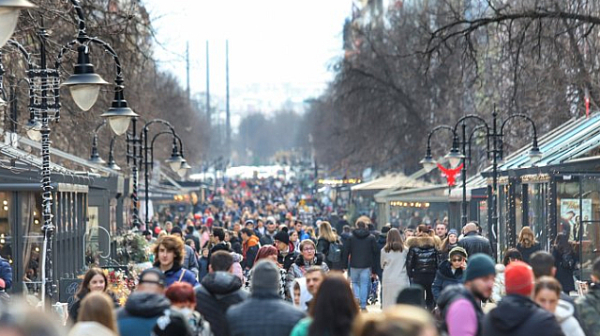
x,y
516,314
359,254
527,244
450,271
218,291
565,261
473,243
422,263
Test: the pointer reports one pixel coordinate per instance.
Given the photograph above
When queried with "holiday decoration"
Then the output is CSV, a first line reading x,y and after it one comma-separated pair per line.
x,y
450,174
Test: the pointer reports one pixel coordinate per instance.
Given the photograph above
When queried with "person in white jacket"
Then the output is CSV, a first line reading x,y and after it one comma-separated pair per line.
x,y
393,263
547,295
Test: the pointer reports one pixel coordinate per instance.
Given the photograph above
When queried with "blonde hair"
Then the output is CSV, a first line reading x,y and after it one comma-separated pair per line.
x,y
401,319
526,230
326,232
98,307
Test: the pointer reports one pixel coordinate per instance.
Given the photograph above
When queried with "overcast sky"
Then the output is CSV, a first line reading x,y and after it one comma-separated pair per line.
x,y
270,41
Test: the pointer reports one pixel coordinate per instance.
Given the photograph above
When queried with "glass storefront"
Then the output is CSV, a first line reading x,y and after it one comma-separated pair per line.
x,y
537,212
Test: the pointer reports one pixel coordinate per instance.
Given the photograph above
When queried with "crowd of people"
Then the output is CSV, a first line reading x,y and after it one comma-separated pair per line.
x,y
247,264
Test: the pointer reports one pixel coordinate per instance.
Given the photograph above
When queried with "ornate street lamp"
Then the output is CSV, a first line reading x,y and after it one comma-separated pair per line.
x,y
9,16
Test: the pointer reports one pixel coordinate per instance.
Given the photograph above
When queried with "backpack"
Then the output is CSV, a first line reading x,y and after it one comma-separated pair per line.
x,y
335,252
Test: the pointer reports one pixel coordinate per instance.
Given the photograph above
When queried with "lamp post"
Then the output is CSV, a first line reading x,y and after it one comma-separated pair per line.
x,y
44,105
176,161
494,136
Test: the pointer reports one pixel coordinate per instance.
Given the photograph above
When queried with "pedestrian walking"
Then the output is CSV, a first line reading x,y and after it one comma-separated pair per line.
x,y
98,307
308,257
359,254
527,244
393,263
286,254
332,311
94,280
422,262
516,314
268,252
330,245
450,242
183,300
473,242
565,261
218,291
146,305
265,313
250,246
547,294
460,305
169,254
189,261
450,271
588,306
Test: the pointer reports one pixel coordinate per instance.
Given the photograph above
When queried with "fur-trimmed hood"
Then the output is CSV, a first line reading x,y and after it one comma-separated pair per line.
x,y
423,241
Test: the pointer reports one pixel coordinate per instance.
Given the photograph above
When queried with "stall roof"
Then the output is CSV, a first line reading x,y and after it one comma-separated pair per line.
x,y
396,181
569,142
432,193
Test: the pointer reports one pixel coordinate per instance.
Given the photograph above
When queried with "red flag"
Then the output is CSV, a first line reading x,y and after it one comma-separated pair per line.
x,y
587,103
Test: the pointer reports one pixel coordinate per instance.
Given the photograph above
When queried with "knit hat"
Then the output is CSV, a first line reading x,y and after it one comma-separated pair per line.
x,y
458,250
412,295
385,230
271,219
518,278
479,265
162,279
282,236
453,231
176,229
265,276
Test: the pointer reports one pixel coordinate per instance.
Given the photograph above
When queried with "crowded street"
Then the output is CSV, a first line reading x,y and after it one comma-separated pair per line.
x,y
324,168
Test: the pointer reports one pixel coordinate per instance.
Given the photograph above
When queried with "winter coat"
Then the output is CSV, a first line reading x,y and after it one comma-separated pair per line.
x,y
395,277
267,239
249,251
361,248
6,273
444,278
301,329
568,323
588,310
300,266
217,292
473,243
203,268
178,273
381,240
190,261
499,290
526,252
450,295
264,314
323,247
564,275
288,259
422,256
282,282
236,244
139,315
517,315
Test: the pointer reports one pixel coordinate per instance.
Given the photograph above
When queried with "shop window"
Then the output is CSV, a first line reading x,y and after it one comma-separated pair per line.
x,y
537,212
6,234
587,224
33,239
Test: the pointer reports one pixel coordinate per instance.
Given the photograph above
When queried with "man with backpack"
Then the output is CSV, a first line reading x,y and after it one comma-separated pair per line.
x,y
460,305
359,253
